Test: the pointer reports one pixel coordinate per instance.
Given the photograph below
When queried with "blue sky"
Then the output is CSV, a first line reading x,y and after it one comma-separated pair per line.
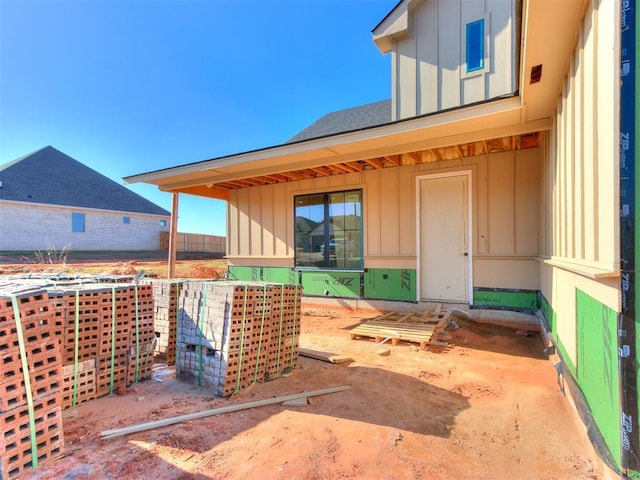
x,y
127,87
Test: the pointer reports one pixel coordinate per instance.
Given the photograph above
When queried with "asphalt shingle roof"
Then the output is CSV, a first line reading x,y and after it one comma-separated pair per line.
x,y
48,176
351,119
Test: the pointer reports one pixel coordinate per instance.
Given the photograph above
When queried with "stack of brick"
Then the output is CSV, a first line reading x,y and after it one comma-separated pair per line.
x,y
231,334
30,381
107,335
165,299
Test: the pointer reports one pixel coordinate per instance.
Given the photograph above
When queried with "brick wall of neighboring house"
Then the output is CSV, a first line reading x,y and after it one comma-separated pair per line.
x,y
26,226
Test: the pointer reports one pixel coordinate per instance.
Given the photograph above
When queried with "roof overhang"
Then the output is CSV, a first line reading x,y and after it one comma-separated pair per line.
x,y
549,33
498,118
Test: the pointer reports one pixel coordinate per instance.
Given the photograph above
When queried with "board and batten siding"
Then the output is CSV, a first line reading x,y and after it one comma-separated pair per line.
x,y
33,227
428,65
580,214
505,219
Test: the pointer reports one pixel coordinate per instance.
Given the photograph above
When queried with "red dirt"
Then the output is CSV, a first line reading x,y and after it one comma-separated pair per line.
x,y
487,407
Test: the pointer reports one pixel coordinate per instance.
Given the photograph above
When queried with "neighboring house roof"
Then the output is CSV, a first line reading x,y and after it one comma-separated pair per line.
x,y
50,177
351,119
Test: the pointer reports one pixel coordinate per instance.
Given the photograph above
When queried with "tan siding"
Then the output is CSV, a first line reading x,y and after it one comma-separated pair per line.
x,y
585,209
448,55
527,202
267,219
501,204
244,223
480,208
428,57
283,210
589,139
505,190
233,224
406,211
371,210
389,244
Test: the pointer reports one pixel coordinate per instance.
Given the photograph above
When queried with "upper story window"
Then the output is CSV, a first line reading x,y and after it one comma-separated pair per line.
x,y
77,222
126,220
476,47
163,223
328,230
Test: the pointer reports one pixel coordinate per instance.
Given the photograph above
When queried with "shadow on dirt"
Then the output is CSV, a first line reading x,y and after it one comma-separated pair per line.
x,y
400,403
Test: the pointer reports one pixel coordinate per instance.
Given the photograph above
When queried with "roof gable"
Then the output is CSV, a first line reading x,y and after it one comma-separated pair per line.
x,y
48,176
348,120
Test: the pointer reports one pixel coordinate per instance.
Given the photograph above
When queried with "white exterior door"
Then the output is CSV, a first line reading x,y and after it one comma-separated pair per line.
x,y
443,231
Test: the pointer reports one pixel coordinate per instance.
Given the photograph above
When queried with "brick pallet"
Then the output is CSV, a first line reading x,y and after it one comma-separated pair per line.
x,y
232,334
30,387
110,327
165,298
80,341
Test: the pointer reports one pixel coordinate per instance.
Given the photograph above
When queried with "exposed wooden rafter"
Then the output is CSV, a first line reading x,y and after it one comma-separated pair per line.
x,y
221,188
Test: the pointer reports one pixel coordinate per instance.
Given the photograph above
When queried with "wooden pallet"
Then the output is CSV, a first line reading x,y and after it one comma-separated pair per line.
x,y
401,326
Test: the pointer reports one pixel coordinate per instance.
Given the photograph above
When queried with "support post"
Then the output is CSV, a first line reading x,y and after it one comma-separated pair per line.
x,y
173,237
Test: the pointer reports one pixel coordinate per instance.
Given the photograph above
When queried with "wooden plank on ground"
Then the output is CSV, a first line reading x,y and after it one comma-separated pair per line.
x,y
323,356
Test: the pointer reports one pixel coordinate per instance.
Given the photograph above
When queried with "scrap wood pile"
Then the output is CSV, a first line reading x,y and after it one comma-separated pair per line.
x,y
61,346
420,328
232,334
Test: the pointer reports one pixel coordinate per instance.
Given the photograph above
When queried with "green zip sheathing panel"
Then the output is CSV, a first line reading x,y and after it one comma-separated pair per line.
x,y
597,372
390,284
285,275
552,320
247,274
504,298
331,284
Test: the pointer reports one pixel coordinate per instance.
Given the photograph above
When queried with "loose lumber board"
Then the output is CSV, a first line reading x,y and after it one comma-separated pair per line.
x,y
324,356
217,411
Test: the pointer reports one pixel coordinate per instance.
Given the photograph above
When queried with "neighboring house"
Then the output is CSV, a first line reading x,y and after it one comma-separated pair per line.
x,y
500,175
49,201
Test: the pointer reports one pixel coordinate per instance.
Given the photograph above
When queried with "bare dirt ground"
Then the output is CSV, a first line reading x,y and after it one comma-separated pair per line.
x,y
487,407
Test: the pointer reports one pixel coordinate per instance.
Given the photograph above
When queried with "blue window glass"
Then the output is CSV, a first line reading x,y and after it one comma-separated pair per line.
x,y
126,220
77,222
475,45
163,223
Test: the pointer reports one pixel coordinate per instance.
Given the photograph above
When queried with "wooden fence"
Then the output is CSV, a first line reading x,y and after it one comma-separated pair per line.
x,y
195,242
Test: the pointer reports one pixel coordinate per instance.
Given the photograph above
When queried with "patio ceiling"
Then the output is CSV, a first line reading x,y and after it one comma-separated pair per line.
x,y
452,152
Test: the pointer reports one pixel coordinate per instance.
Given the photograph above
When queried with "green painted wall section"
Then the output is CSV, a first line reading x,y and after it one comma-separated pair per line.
x,y
248,274
331,284
597,361
508,299
285,275
390,284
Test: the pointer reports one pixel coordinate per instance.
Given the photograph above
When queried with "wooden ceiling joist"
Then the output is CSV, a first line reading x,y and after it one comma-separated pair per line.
x,y
374,162
455,151
415,156
394,159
